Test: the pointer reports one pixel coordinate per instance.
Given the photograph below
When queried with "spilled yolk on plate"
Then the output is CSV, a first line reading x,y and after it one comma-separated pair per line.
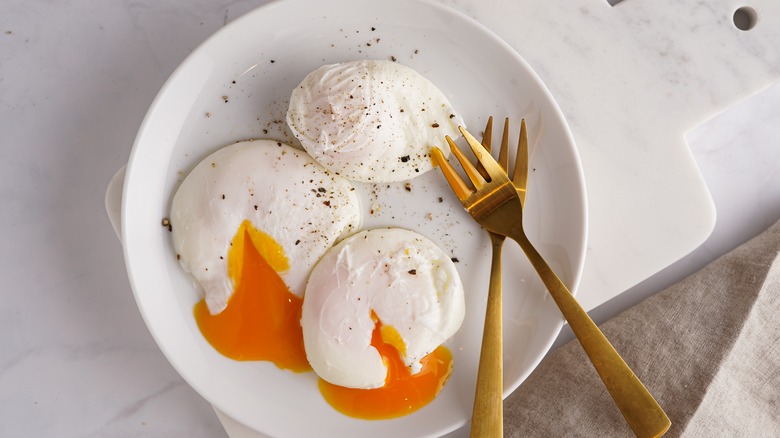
x,y
262,318
402,393
262,322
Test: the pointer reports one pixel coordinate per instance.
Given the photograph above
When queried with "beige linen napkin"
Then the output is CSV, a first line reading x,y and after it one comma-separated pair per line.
x,y
708,349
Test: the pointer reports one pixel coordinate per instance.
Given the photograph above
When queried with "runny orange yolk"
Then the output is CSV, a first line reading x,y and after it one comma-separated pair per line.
x,y
262,322
262,318
402,393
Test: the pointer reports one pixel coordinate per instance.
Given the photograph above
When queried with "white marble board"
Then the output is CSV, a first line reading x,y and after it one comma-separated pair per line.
x,y
632,80
77,77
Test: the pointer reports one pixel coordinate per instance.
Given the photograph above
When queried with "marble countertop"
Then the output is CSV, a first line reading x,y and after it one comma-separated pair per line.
x,y
76,79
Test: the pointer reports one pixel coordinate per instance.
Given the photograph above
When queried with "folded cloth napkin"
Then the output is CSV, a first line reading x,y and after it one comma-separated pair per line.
x,y
707,348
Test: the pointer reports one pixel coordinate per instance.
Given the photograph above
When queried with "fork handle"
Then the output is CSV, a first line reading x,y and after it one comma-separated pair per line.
x,y
487,419
642,412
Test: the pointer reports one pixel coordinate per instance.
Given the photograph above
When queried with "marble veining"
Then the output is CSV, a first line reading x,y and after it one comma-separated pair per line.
x,y
76,79
611,70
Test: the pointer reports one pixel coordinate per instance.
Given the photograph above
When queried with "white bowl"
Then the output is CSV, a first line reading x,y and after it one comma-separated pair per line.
x,y
267,52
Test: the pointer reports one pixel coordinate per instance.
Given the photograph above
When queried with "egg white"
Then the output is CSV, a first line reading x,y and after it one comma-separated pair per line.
x,y
408,281
371,121
281,190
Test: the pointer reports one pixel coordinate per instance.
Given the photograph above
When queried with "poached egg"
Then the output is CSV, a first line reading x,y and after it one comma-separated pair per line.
x,y
393,277
371,121
296,210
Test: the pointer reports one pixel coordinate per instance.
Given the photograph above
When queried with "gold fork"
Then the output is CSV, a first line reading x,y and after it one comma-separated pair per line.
x,y
495,204
487,413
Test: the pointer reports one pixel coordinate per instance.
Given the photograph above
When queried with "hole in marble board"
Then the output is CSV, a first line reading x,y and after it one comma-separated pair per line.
x,y
613,2
745,18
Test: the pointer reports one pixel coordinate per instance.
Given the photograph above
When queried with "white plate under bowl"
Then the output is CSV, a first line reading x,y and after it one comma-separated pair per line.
x,y
236,85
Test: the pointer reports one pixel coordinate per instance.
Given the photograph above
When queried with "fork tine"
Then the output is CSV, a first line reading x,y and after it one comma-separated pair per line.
x,y
503,152
462,191
471,171
487,138
520,174
483,156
